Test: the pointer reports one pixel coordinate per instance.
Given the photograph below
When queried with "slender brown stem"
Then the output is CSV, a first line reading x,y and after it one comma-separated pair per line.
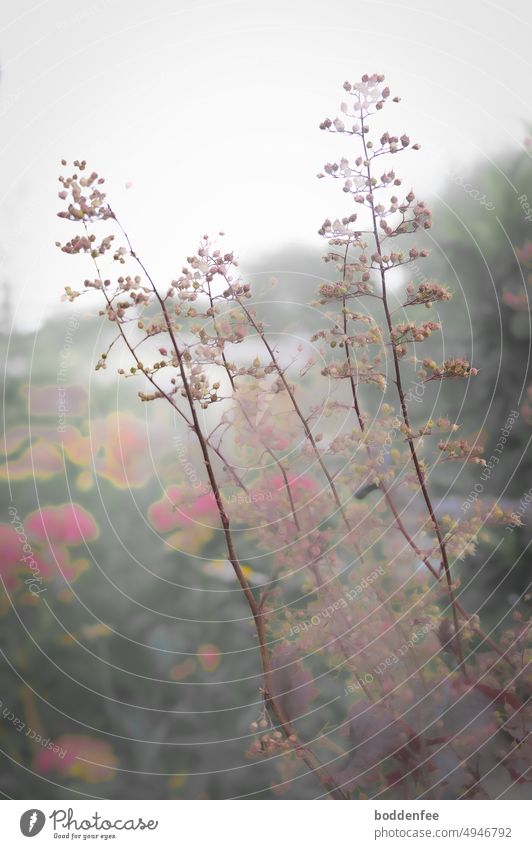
x,y
270,700
400,525
308,433
233,386
404,411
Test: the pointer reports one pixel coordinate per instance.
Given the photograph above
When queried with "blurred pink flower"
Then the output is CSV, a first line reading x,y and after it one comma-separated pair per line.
x,y
86,759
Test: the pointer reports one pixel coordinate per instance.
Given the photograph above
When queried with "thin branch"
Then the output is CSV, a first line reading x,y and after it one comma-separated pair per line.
x,y
270,700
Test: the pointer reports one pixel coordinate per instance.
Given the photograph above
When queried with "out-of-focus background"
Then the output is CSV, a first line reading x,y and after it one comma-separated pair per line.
x,y
204,117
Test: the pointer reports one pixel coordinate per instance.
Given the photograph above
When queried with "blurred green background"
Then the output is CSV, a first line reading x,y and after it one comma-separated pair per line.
x,y
122,660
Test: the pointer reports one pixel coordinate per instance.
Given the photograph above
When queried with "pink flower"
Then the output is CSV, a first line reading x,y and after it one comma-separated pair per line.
x,y
209,657
79,757
69,524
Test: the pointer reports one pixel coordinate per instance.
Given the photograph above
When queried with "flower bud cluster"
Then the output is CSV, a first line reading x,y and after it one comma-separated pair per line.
x,y
272,743
86,245
367,96
453,367
409,331
463,450
426,294
86,200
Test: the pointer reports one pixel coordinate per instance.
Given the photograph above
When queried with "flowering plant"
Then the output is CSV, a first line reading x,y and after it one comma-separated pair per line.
x,y
374,678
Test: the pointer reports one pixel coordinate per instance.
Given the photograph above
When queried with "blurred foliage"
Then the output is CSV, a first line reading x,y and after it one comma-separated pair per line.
x,y
126,645
480,224
123,661
480,257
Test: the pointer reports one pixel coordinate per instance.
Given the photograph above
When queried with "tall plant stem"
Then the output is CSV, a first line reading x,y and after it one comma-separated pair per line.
x,y
404,412
271,702
244,412
297,409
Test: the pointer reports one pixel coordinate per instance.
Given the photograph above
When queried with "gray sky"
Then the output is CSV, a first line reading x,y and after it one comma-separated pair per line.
x,y
211,110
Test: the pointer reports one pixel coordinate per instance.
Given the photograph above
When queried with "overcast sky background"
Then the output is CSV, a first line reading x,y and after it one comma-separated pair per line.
x,y
210,111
